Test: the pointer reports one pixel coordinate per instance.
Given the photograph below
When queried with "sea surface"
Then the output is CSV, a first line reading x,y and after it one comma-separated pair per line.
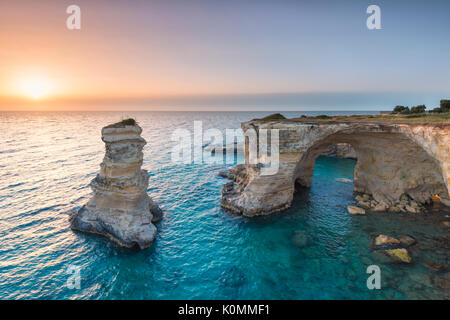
x,y
201,252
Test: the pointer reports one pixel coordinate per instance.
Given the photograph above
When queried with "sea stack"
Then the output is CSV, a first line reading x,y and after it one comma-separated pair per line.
x,y
120,207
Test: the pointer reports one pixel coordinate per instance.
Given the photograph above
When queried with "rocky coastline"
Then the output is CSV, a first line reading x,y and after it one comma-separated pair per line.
x,y
400,167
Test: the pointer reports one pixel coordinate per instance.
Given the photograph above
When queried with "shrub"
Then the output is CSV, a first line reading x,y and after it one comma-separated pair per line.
x,y
400,109
445,105
323,116
405,111
436,110
275,116
129,122
415,115
418,109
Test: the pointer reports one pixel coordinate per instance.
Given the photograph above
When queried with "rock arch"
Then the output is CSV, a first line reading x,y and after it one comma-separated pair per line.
x,y
393,159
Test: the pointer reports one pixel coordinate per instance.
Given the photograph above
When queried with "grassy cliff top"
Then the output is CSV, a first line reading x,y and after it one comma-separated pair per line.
x,y
421,118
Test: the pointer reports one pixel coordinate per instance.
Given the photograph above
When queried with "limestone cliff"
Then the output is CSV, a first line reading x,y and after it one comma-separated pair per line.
x,y
120,207
394,161
341,150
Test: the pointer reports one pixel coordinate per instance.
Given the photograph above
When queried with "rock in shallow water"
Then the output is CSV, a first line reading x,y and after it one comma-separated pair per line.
x,y
398,255
435,266
407,240
385,240
355,210
120,208
344,180
381,207
300,239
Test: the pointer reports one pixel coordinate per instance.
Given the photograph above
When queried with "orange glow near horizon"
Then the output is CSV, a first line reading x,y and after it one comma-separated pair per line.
x,y
167,55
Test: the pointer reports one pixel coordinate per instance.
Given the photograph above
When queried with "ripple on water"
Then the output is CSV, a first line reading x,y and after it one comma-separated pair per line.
x,y
201,251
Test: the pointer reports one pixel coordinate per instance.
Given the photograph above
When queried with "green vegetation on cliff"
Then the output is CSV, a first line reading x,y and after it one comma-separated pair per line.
x,y
129,122
275,116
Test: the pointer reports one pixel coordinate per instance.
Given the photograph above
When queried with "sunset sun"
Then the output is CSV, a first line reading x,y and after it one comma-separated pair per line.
x,y
35,88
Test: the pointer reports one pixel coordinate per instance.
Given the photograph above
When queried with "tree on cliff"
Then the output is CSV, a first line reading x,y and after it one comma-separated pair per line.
x,y
418,109
401,110
445,105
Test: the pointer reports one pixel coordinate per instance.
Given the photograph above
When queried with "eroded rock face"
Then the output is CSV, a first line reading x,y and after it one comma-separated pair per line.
x,y
120,207
394,160
341,150
355,210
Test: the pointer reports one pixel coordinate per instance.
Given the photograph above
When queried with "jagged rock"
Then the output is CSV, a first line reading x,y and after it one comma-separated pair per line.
x,y
379,256
407,240
395,209
381,207
300,239
236,148
411,209
385,240
120,208
355,210
422,279
365,204
400,255
156,211
341,150
443,282
438,267
227,174
414,204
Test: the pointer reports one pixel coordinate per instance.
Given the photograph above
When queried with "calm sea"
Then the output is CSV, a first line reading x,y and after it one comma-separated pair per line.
x,y
201,252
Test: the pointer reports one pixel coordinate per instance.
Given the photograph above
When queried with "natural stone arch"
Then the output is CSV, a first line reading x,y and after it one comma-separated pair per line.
x,y
389,165
393,160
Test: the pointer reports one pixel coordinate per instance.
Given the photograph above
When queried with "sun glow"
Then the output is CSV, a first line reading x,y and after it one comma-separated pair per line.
x,y
35,88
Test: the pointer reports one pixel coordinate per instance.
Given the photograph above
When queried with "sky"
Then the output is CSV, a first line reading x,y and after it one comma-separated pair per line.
x,y
223,55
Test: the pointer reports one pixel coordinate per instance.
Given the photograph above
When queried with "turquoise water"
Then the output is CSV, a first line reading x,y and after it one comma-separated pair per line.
x,y
201,252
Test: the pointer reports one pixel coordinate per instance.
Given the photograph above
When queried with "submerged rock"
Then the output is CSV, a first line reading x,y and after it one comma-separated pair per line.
x,y
300,239
120,208
407,240
385,240
355,210
400,255
438,267
443,282
344,180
